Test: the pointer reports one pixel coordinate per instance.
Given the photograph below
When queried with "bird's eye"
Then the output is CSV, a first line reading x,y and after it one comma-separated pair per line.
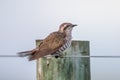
x,y
66,27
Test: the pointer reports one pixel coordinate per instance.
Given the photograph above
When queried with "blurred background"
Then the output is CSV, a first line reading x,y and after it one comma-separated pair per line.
x,y
24,21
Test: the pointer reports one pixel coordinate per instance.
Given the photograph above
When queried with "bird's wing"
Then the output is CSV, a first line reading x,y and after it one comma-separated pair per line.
x,y
49,45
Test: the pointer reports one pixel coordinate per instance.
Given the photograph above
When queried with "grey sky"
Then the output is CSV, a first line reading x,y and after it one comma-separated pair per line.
x,y
24,21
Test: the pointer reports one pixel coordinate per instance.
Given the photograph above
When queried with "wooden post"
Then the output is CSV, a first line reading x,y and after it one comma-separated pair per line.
x,y
39,64
70,67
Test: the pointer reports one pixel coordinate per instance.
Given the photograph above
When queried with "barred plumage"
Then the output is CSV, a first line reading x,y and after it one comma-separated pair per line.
x,y
64,47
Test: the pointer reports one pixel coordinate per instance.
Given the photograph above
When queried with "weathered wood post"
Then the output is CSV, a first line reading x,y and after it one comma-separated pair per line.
x,y
70,67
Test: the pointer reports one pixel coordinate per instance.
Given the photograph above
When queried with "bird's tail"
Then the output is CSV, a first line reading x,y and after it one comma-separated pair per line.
x,y
24,54
28,54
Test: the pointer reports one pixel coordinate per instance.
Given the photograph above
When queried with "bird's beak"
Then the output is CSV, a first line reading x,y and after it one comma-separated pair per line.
x,y
74,25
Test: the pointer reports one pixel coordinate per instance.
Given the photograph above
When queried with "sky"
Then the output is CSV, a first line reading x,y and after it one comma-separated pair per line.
x,y
24,21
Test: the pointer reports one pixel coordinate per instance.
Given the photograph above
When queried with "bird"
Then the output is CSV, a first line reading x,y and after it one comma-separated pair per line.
x,y
54,44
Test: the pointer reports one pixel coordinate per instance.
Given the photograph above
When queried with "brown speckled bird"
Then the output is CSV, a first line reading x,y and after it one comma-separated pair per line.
x,y
53,44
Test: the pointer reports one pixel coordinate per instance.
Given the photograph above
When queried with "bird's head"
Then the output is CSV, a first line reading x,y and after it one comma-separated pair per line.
x,y
66,28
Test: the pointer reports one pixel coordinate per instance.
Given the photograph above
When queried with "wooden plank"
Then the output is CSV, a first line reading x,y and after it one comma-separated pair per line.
x,y
68,67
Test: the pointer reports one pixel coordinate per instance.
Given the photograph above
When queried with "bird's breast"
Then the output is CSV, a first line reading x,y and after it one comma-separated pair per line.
x,y
65,46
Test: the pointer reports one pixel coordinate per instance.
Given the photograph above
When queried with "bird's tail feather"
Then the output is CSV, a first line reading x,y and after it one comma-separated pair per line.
x,y
24,54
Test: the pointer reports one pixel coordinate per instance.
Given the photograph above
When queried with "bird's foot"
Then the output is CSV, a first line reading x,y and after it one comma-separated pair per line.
x,y
59,56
